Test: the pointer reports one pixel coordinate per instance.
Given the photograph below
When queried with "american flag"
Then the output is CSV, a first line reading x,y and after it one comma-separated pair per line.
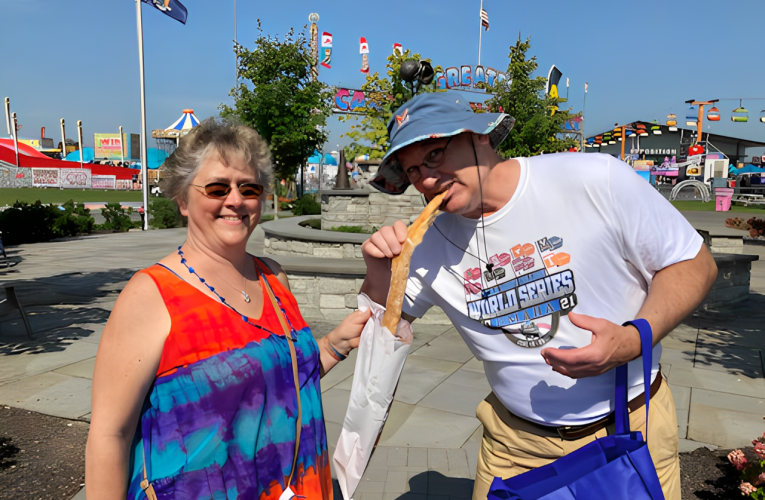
x,y
485,19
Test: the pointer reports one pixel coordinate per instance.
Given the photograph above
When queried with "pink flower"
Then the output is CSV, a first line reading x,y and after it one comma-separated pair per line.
x,y
761,479
747,489
759,450
738,459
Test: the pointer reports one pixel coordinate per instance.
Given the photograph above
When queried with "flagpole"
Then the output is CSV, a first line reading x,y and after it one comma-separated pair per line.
x,y
584,121
480,29
144,153
236,52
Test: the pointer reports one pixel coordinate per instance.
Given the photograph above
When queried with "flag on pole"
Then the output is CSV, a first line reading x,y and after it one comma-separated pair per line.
x,y
485,19
398,49
326,43
364,50
585,87
172,8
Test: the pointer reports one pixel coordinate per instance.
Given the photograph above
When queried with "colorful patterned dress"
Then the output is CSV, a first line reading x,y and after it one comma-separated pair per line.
x,y
220,418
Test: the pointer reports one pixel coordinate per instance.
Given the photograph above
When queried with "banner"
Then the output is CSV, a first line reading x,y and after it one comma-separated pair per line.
x,y
398,49
75,178
108,146
364,51
45,177
124,184
103,181
326,43
14,177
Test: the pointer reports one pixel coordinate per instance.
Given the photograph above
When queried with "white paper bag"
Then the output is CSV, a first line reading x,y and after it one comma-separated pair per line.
x,y
379,362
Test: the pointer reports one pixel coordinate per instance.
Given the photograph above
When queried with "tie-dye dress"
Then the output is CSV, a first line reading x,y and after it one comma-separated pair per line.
x,y
219,421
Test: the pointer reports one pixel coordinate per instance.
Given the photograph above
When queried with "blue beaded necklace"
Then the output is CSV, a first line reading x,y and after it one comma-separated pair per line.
x,y
223,300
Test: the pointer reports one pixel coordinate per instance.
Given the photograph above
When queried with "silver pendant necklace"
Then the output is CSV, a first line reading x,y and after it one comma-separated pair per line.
x,y
191,270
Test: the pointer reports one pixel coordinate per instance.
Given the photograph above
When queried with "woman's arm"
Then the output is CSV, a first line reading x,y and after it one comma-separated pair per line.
x,y
128,356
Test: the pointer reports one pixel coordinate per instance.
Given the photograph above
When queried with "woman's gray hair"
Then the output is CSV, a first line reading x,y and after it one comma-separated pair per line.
x,y
224,137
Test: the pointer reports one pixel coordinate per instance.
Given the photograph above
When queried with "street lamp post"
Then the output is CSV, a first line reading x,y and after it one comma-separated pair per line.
x,y
15,126
122,148
63,140
79,138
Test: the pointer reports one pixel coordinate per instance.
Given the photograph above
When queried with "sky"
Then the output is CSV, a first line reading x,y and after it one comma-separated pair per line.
x,y
78,60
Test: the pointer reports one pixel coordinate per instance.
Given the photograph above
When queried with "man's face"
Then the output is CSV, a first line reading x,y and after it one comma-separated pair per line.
x,y
456,174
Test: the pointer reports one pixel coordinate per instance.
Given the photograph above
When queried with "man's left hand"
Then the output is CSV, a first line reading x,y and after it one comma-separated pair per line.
x,y
611,345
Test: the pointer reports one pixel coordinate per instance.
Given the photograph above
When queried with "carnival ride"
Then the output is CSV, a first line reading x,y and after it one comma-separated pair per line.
x,y
168,138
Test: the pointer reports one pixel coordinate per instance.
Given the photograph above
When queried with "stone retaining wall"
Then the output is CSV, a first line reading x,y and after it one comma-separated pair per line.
x,y
278,246
333,297
369,212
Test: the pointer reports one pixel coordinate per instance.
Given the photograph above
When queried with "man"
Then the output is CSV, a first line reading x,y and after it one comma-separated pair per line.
x,y
523,243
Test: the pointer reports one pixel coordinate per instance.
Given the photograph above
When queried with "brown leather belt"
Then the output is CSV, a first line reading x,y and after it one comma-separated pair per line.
x,y
567,433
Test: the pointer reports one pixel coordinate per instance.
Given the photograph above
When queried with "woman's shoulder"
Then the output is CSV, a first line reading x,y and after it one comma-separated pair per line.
x,y
276,269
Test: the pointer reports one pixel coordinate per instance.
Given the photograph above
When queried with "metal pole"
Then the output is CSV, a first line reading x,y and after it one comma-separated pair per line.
x,y
63,140
8,115
144,153
624,139
122,147
584,120
15,137
480,32
236,52
79,138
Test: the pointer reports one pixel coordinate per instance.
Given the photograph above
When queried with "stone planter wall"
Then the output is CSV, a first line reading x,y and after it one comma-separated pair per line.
x,y
282,246
333,297
368,210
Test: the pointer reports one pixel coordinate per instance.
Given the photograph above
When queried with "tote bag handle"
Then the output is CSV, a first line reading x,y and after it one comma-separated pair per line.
x,y
646,349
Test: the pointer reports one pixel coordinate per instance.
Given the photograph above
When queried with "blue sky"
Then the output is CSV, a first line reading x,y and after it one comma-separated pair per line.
x,y
79,59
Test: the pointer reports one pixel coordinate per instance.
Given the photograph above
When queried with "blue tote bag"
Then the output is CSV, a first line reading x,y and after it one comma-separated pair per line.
x,y
614,467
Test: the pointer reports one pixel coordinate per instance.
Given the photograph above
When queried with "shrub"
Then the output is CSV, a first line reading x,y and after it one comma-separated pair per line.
x,y
312,223
73,220
116,218
28,223
164,213
351,229
306,205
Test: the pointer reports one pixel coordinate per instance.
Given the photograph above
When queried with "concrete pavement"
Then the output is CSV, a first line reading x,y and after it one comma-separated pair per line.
x,y
713,362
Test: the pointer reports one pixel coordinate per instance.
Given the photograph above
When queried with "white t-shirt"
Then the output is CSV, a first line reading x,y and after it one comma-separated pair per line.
x,y
582,231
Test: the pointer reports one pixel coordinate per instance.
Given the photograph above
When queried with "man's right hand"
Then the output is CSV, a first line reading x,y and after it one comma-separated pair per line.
x,y
378,250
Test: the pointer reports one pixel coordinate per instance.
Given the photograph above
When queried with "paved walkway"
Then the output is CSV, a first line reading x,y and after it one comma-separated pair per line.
x,y
428,450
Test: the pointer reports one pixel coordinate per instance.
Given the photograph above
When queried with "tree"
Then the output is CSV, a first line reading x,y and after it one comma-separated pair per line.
x,y
537,129
383,97
278,98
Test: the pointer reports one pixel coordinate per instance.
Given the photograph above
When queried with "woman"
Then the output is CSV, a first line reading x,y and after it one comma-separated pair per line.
x,y
193,391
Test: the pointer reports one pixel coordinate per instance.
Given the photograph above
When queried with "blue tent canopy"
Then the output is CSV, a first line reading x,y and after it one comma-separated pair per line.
x,y
748,169
316,158
156,158
87,155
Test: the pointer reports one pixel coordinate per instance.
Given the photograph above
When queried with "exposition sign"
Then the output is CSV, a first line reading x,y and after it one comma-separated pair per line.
x,y
108,146
45,177
103,181
75,178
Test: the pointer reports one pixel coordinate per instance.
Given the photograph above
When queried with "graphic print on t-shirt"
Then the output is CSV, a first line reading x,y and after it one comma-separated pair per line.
x,y
523,291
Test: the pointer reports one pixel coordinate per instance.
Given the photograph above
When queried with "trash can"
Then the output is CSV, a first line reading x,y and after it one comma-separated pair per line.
x,y
723,198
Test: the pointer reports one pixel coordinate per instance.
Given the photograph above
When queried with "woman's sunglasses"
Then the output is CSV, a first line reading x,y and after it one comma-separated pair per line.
x,y
219,190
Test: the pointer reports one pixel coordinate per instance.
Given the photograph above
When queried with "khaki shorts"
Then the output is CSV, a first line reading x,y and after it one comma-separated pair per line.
x,y
507,451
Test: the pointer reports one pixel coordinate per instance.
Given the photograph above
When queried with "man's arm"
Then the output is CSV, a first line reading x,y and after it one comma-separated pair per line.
x,y
675,292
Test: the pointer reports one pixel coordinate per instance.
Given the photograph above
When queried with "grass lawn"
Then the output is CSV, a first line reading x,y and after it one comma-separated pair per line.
x,y
52,195
700,206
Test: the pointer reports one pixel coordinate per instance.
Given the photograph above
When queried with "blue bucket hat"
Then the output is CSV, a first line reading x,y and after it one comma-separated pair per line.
x,y
433,116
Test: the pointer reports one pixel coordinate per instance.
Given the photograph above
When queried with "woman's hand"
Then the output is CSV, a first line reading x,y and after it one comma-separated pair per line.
x,y
378,250
344,338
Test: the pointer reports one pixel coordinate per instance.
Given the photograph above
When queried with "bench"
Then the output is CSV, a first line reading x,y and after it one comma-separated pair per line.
x,y
749,199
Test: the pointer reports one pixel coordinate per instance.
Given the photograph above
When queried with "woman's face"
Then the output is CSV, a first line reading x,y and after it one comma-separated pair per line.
x,y
225,222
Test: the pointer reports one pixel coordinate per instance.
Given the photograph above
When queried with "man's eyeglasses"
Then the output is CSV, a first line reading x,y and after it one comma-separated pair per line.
x,y
432,160
219,190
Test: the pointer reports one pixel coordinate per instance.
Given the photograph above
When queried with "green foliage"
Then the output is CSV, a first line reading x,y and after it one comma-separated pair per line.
x,y
116,218
312,223
537,130
351,229
35,222
278,98
306,205
164,213
75,219
383,97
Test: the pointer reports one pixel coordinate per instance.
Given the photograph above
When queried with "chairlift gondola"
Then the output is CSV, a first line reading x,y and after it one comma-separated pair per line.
x,y
762,116
740,114
713,115
656,128
691,117
672,122
640,130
